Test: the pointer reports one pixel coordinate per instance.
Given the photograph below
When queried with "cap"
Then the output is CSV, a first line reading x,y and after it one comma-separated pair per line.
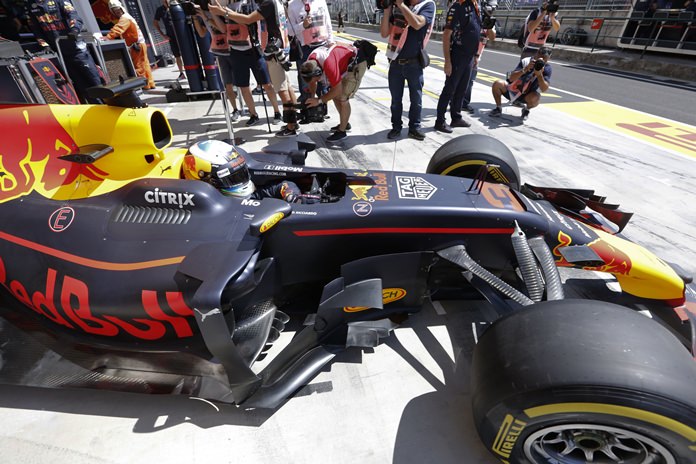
x,y
115,5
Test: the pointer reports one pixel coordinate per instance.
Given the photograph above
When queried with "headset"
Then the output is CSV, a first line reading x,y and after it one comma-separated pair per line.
x,y
308,75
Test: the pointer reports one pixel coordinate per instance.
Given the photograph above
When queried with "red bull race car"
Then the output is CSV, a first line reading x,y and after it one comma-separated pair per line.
x,y
157,283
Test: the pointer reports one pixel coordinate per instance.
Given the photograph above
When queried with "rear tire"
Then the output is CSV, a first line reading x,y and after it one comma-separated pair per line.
x,y
465,155
576,381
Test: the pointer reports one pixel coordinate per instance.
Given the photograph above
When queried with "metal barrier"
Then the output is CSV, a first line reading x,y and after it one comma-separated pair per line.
x,y
667,31
606,5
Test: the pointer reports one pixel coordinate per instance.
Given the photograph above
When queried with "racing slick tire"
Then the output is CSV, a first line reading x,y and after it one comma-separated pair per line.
x,y
575,381
463,157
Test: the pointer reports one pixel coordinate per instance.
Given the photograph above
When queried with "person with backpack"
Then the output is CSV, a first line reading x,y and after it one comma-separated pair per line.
x,y
340,69
537,27
408,28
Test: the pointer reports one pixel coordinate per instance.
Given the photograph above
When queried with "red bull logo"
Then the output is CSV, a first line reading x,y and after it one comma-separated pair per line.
x,y
615,260
564,240
30,151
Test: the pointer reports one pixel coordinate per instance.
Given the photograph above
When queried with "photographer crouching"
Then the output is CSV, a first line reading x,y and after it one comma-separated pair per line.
x,y
524,86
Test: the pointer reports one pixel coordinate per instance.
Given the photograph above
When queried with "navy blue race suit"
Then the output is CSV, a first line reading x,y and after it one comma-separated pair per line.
x,y
51,20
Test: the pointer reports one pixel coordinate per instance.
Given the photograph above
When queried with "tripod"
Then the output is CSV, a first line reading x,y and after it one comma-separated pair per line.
x,y
231,139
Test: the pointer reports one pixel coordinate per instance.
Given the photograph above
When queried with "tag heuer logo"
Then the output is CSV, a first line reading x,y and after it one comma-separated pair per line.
x,y
414,188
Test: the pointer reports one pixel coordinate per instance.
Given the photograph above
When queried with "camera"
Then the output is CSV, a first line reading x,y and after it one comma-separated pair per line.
x,y
189,6
312,114
552,6
273,50
488,22
384,4
539,65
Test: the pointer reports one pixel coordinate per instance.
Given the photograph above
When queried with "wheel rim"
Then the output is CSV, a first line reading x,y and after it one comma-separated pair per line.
x,y
583,443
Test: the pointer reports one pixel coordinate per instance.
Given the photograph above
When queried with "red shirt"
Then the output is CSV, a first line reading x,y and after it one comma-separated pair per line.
x,y
334,61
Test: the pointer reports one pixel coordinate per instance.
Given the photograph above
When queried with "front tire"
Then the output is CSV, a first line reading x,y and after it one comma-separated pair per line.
x,y
576,381
463,156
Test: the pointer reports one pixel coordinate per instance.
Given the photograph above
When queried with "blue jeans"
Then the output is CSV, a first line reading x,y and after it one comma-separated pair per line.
x,y
412,73
455,86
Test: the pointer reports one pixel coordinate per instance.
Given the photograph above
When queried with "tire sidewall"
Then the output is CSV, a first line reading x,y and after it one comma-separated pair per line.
x,y
507,427
463,156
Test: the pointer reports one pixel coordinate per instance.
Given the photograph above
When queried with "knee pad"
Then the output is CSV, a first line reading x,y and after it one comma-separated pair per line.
x,y
289,114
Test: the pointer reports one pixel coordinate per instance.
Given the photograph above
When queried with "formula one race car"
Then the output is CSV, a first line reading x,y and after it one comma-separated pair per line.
x,y
148,280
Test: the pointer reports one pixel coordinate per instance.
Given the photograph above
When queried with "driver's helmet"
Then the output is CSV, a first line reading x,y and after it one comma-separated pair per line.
x,y
219,164
489,6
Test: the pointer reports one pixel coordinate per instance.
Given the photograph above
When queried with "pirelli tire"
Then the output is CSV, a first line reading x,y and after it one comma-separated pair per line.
x,y
577,381
463,156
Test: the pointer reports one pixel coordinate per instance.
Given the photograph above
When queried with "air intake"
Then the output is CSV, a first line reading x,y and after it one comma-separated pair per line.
x,y
152,215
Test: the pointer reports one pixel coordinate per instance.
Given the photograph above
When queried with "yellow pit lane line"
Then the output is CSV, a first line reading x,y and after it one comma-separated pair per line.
x,y
664,133
659,131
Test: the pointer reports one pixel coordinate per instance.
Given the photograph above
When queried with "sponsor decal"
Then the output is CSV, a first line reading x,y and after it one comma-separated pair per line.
x,y
223,173
414,188
61,219
497,174
248,216
65,301
362,208
389,295
30,158
360,174
271,221
382,188
250,202
305,213
281,168
360,192
507,436
270,173
160,197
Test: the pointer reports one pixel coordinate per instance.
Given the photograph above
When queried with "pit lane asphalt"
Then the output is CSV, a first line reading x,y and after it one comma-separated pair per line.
x,y
406,401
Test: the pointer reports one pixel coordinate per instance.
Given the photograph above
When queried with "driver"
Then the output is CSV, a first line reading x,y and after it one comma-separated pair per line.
x,y
222,166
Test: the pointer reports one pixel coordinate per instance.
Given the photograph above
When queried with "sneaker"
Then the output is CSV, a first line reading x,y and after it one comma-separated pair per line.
x,y
181,76
394,134
235,115
257,91
277,118
525,114
253,120
336,136
496,112
460,123
335,128
416,134
443,127
469,109
285,132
